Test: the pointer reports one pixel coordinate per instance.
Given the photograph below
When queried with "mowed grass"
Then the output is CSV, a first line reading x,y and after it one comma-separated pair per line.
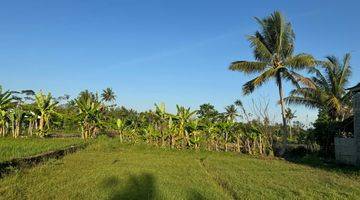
x,y
21,147
109,170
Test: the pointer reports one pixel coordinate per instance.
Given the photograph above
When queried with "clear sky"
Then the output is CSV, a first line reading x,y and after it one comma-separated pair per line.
x,y
150,51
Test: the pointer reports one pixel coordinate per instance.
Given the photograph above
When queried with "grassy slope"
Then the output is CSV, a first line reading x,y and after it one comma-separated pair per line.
x,y
107,170
15,148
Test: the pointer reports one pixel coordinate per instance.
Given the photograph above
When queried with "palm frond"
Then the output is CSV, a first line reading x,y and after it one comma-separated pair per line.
x,y
248,66
297,100
261,51
301,61
345,70
249,86
298,79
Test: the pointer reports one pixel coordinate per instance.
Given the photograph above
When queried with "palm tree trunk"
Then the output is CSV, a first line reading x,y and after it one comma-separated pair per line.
x,y
281,94
290,133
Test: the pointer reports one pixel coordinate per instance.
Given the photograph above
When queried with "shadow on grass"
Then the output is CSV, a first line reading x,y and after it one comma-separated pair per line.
x,y
316,161
195,195
139,187
136,187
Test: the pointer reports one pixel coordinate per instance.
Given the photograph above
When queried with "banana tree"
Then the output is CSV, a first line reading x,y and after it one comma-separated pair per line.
x,y
211,131
225,128
184,116
16,118
90,113
238,133
196,133
32,122
5,105
45,106
3,121
171,131
151,134
120,127
162,121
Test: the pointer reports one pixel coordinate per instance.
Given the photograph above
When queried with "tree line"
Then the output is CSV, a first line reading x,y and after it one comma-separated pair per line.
x,y
317,84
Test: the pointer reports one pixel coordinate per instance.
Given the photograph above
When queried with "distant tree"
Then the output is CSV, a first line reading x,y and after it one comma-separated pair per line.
x,y
289,115
239,104
207,111
108,95
231,113
273,47
29,95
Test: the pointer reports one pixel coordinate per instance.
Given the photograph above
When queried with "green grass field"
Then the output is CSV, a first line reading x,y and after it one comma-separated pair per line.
x,y
16,148
109,170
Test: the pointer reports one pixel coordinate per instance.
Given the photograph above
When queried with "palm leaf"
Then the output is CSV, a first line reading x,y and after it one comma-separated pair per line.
x,y
261,51
247,67
258,81
301,61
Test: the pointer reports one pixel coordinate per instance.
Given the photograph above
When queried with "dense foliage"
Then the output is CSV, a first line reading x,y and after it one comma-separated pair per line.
x,y
40,115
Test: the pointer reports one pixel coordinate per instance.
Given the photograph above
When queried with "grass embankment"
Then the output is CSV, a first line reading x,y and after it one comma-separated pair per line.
x,y
17,148
109,170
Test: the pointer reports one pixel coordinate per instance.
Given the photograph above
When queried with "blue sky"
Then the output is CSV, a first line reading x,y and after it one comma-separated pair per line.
x,y
175,52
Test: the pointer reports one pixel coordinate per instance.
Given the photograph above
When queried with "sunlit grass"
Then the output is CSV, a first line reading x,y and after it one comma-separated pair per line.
x,y
21,147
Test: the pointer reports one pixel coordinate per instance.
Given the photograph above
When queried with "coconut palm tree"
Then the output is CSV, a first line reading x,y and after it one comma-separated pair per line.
x,y
108,95
231,113
328,91
273,47
45,107
239,104
290,115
